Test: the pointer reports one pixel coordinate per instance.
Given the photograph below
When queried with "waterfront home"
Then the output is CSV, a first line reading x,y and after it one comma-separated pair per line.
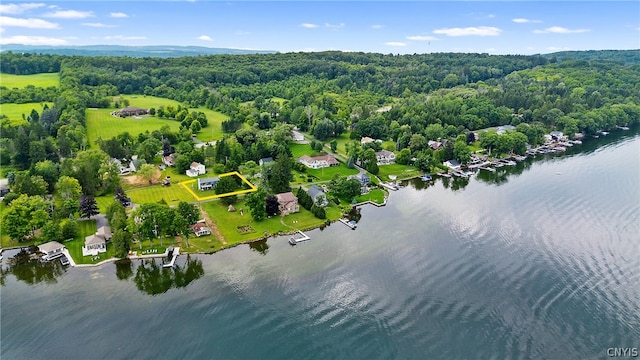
x,y
362,178
207,183
556,136
93,245
201,229
51,250
318,162
195,169
318,196
385,157
265,161
287,203
169,160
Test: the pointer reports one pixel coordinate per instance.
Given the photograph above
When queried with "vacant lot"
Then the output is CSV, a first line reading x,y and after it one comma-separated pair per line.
x,y
15,112
43,80
171,194
400,171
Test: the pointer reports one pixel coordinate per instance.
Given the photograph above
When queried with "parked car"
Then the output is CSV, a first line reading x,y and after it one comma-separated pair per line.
x,y
64,261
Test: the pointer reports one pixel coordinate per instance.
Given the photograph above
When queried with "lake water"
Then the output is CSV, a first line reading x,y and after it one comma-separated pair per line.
x,y
538,261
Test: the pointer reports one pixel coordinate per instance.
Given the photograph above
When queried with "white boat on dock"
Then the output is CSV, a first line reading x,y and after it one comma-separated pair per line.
x,y
487,168
298,238
350,223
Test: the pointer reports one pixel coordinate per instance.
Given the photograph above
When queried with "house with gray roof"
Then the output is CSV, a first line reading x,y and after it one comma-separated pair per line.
x,y
318,196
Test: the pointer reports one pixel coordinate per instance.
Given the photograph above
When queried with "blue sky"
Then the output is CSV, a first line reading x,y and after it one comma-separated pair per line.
x,y
496,27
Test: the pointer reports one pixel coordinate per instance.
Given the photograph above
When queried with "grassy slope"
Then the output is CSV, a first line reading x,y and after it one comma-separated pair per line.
x,y
15,111
401,171
43,80
375,195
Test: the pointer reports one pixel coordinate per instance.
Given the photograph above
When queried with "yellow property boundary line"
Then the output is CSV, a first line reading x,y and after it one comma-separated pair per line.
x,y
252,187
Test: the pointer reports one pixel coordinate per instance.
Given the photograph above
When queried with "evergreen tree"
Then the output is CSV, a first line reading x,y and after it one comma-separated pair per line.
x,y
88,206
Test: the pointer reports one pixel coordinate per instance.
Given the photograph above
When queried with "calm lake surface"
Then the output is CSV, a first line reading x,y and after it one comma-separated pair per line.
x,y
538,261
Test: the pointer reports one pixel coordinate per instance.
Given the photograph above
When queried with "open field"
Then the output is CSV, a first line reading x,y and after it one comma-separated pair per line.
x,y
15,111
43,80
101,124
191,187
401,171
228,222
171,194
213,131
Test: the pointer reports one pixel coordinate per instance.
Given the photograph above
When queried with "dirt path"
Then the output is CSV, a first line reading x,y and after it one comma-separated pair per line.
x,y
213,226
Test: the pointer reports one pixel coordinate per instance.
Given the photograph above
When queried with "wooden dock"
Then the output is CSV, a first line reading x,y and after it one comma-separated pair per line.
x,y
176,252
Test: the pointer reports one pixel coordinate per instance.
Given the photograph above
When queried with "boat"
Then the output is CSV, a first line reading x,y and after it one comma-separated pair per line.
x,y
577,142
560,148
623,127
425,177
604,133
447,175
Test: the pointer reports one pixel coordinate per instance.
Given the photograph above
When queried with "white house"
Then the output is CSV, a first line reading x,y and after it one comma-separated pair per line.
x,y
318,162
195,169
297,136
93,245
385,157
200,229
51,250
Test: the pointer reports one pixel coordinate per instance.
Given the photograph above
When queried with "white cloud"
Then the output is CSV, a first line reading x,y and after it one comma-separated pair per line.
x,y
118,15
377,26
69,14
470,31
98,25
395,43
308,25
421,38
205,38
525,21
334,26
560,30
122,37
19,8
32,40
491,16
27,23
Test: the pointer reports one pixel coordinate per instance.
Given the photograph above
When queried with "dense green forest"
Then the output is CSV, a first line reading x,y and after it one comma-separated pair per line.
x,y
403,100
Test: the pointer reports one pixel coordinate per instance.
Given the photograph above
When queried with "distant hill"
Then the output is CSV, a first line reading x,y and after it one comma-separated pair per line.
x,y
620,56
164,51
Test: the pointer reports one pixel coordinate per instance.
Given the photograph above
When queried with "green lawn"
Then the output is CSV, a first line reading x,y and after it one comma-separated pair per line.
x,y
171,194
330,172
86,228
375,195
228,222
43,80
14,112
301,149
401,171
104,202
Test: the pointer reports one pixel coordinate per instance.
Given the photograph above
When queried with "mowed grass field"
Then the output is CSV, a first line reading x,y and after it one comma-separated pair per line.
x,y
100,123
43,80
15,111
171,194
